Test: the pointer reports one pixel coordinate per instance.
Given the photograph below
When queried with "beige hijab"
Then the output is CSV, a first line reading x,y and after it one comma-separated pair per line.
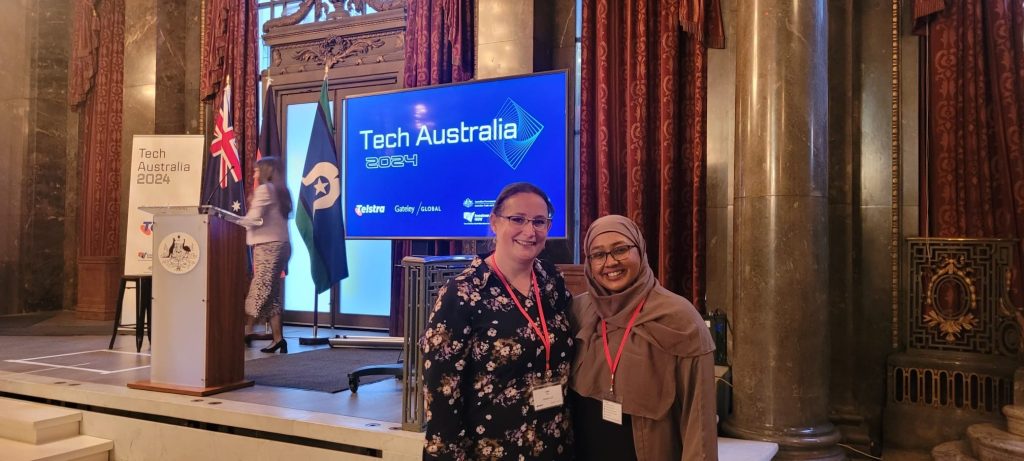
x,y
668,327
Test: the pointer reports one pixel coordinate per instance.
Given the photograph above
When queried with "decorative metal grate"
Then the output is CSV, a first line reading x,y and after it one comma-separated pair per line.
x,y
424,276
959,336
949,389
954,292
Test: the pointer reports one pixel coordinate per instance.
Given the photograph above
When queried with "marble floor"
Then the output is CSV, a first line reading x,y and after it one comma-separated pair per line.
x,y
77,370
83,362
85,359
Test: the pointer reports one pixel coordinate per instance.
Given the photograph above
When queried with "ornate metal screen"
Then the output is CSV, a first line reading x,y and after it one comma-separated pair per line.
x,y
958,337
955,296
423,277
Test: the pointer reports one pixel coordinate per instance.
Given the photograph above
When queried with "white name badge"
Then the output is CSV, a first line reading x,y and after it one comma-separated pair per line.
x,y
611,411
545,397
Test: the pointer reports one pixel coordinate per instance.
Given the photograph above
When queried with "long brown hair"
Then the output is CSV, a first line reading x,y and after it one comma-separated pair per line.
x,y
271,172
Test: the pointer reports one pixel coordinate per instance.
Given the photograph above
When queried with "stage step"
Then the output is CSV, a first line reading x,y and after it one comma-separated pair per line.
x,y
36,432
991,443
77,448
35,423
957,450
1014,419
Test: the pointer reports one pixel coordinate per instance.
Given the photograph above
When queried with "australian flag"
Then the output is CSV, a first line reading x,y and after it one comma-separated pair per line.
x,y
222,183
319,215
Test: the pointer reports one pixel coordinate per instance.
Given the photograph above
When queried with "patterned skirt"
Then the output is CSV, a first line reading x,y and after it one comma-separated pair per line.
x,y
266,292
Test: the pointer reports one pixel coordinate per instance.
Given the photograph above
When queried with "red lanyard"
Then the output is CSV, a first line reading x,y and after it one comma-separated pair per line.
x,y
622,345
541,331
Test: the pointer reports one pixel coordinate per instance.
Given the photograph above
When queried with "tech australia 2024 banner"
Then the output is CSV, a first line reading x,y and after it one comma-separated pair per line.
x,y
428,163
165,171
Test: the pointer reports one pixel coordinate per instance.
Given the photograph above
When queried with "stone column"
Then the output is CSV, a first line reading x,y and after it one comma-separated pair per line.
x,y
15,94
99,245
504,40
140,82
35,247
44,245
781,252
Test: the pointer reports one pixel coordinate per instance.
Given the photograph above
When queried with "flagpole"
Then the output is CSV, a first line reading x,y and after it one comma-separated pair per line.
x,y
316,339
328,62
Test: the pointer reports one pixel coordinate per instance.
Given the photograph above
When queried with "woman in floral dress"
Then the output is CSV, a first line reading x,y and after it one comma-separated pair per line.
x,y
495,366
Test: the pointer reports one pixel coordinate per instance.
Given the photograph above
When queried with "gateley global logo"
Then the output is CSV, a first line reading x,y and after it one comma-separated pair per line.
x,y
369,209
513,150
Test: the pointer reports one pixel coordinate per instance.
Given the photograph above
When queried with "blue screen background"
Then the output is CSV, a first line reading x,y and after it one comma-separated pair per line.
x,y
452,187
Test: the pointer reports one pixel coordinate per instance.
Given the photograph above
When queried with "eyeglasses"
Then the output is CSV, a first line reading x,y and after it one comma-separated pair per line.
x,y
618,253
541,224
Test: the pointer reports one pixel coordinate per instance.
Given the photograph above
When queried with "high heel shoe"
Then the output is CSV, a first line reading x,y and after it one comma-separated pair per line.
x,y
282,345
248,339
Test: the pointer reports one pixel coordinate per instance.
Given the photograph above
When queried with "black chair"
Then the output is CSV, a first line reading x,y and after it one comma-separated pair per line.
x,y
143,309
388,369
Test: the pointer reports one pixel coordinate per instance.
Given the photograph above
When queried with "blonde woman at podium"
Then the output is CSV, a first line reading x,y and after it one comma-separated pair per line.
x,y
266,229
498,346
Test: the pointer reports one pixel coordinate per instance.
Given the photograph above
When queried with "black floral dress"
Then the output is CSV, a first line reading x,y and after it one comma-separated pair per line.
x,y
481,358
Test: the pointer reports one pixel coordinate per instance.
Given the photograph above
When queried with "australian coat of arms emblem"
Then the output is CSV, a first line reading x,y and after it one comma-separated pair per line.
x,y
178,253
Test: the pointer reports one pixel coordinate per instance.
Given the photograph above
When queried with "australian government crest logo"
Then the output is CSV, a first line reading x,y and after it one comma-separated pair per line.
x,y
514,150
178,253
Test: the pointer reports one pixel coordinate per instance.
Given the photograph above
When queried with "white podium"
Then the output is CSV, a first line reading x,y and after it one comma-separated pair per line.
x,y
200,275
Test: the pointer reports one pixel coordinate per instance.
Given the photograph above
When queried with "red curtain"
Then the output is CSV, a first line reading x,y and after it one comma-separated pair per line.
x,y
96,91
643,120
438,49
972,157
84,52
230,51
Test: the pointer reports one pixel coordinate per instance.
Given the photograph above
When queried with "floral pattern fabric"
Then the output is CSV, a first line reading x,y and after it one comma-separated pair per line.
x,y
481,359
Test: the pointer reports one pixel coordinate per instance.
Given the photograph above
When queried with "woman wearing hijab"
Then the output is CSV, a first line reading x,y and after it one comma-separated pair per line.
x,y
497,347
643,376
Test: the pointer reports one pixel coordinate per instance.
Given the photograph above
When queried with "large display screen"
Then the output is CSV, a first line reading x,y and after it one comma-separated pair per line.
x,y
428,163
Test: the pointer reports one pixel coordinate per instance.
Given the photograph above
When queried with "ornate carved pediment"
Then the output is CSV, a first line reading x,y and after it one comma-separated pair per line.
x,y
372,39
338,51
335,50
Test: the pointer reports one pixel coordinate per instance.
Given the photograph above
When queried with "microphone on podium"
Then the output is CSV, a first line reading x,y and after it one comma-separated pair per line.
x,y
213,190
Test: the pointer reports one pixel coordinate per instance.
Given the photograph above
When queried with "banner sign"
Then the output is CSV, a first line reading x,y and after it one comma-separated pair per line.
x,y
429,162
164,171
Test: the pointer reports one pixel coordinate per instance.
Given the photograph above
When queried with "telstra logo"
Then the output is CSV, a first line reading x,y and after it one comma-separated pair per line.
x,y
369,209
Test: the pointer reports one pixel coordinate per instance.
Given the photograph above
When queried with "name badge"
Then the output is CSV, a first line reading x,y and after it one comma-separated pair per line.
x,y
547,396
611,411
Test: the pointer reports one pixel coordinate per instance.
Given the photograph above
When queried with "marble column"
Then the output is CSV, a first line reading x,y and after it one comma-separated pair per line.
x,y
37,246
45,182
781,251
99,245
15,95
851,416
504,40
140,81
177,63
